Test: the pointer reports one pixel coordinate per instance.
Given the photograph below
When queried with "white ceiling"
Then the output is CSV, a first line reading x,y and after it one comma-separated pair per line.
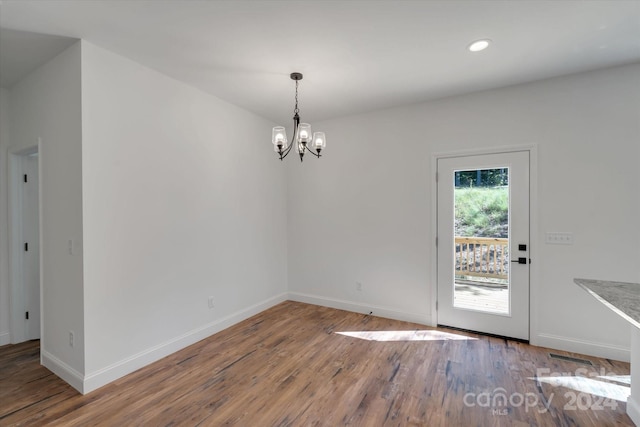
x,y
22,52
356,56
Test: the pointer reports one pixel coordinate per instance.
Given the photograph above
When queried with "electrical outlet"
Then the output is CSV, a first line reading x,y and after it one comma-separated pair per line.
x,y
211,304
557,238
71,338
358,286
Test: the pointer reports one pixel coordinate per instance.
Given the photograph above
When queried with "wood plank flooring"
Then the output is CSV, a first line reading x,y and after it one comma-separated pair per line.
x,y
303,365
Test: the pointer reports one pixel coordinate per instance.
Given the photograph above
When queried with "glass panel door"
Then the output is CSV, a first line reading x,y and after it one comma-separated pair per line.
x,y
483,243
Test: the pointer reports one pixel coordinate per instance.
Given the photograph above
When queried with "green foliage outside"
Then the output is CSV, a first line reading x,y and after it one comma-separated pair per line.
x,y
482,211
482,178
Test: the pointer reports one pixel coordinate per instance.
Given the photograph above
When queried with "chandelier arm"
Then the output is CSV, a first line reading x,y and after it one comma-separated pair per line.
x,y
285,152
296,124
296,120
318,155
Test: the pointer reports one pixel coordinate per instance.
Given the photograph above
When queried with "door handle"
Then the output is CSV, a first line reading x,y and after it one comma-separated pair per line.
x,y
520,260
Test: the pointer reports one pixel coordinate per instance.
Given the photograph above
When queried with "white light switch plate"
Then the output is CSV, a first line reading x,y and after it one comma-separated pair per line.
x,y
558,238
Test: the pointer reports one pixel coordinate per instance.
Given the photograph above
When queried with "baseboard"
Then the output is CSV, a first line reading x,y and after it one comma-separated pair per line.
x,y
61,369
390,313
5,338
633,410
117,370
590,348
573,345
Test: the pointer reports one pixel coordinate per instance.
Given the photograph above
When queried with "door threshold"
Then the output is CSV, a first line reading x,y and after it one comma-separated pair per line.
x,y
487,334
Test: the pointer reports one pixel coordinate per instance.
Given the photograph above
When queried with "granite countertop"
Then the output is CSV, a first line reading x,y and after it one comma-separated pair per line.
x,y
622,298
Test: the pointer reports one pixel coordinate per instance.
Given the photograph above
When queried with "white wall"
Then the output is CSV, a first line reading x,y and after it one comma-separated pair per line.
x,y
182,200
363,213
4,226
46,104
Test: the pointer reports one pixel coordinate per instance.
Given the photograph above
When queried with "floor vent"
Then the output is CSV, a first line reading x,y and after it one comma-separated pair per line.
x,y
571,359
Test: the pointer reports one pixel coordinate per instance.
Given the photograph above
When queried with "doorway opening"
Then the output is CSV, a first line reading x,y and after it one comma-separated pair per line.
x,y
24,251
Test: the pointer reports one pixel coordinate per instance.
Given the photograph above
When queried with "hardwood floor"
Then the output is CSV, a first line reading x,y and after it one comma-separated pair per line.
x,y
303,365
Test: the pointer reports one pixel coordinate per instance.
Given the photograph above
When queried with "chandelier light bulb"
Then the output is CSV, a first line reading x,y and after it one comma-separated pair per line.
x,y
279,137
318,141
304,132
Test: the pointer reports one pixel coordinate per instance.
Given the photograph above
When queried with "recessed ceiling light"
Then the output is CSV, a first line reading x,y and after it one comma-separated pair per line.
x,y
479,45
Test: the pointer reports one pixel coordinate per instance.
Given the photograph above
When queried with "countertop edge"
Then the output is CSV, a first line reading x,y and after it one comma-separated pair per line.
x,y
583,283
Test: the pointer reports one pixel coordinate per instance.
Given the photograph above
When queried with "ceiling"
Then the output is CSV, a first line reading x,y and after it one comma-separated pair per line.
x,y
356,56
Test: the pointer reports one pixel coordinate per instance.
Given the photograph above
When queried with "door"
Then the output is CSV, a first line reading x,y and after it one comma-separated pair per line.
x,y
483,243
31,246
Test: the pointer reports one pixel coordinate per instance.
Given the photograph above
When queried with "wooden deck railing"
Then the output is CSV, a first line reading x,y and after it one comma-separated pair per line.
x,y
482,257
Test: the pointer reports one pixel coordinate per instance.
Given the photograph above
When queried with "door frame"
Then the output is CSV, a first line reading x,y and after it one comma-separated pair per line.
x,y
16,254
533,226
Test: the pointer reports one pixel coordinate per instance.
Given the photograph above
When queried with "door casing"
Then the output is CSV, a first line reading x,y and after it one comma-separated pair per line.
x,y
533,227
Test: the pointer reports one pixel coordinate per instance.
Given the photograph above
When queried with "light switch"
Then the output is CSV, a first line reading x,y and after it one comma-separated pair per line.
x,y
558,238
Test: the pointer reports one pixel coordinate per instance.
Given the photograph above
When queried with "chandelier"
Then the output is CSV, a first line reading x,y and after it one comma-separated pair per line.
x,y
302,137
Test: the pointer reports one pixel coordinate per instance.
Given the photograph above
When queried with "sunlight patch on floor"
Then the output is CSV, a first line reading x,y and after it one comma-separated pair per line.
x,y
624,379
420,335
590,385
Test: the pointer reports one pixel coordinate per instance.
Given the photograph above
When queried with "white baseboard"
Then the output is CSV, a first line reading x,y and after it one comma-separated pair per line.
x,y
5,338
101,377
590,348
633,410
61,369
390,313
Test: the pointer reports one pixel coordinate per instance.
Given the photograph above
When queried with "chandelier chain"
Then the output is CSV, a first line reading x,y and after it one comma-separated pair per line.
x,y
296,110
